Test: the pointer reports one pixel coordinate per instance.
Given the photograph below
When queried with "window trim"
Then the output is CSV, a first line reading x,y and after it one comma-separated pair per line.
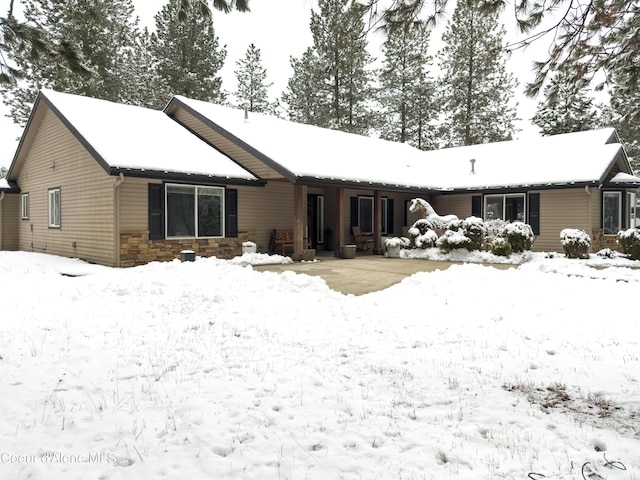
x,y
222,191
54,207
504,197
24,206
620,219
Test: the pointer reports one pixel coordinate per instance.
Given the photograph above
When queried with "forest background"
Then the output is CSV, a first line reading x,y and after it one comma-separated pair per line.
x,y
282,31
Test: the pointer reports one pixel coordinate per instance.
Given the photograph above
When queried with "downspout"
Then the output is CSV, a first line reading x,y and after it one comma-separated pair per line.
x,y
116,219
587,189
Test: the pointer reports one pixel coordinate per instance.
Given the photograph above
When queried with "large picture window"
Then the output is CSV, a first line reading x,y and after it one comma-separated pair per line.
x,y
509,207
194,211
54,208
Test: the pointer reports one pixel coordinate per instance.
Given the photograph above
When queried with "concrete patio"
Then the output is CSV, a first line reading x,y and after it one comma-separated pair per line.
x,y
364,274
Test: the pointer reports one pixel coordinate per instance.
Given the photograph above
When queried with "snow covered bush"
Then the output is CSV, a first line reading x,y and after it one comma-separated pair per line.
x,y
495,229
629,240
501,247
422,234
519,235
476,232
576,243
401,242
452,239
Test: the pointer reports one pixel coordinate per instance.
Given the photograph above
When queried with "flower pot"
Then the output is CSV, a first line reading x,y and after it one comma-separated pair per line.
x,y
393,252
348,251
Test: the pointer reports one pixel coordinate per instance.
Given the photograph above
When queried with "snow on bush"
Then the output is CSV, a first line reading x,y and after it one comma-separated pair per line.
x,y
401,242
629,240
452,239
495,229
501,247
422,234
519,235
476,232
576,243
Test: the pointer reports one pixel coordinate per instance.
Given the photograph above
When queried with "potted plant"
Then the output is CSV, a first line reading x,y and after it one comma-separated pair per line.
x,y
393,246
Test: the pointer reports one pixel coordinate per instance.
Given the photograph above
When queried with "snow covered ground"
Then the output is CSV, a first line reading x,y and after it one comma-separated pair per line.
x,y
211,369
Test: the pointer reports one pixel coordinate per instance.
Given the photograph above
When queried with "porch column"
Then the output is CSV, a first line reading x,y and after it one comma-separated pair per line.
x,y
299,220
338,228
377,222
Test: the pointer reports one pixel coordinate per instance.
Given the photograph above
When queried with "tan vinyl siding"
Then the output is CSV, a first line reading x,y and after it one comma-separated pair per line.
x,y
248,161
263,209
56,159
134,205
559,209
9,218
459,205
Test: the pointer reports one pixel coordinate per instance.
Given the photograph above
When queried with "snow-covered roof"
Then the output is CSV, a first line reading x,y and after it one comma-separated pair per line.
x,y
4,184
140,139
312,153
625,178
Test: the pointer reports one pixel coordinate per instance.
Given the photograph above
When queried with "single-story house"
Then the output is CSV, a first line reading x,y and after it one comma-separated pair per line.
x,y
122,185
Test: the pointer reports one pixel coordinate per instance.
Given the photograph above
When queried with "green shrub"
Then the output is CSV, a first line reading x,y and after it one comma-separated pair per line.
x,y
476,232
501,247
519,235
452,239
629,240
421,235
575,243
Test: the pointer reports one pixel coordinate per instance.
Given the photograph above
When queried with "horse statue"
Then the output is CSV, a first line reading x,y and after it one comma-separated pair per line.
x,y
429,214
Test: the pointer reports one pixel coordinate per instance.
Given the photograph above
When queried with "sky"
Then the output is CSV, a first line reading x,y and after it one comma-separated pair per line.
x,y
214,369
281,30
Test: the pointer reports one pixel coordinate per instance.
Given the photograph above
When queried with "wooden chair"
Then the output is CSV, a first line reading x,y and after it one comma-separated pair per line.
x,y
364,241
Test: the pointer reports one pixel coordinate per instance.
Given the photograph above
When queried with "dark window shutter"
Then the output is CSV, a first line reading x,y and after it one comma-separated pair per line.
x,y
476,206
231,208
390,228
534,212
354,211
156,211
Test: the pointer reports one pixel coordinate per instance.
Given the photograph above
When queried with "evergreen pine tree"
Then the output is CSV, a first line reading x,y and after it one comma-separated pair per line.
x,y
620,115
476,88
147,87
251,75
102,32
337,67
566,108
188,54
407,90
303,104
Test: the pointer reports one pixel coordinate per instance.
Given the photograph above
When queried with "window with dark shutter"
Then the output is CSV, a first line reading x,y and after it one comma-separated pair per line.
x,y
353,217
156,211
390,229
231,209
534,212
476,206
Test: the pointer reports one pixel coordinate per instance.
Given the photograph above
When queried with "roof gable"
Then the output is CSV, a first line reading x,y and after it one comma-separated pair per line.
x,y
134,140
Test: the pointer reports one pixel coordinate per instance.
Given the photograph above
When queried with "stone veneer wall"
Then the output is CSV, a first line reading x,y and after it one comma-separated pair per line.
x,y
599,241
137,249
